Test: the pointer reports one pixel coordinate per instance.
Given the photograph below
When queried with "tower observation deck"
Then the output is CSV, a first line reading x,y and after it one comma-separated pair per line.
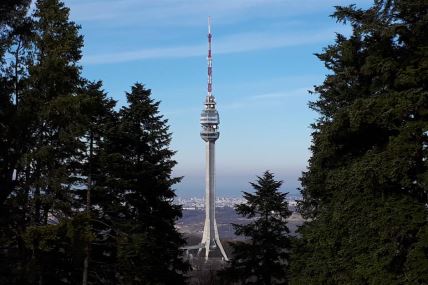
x,y
210,121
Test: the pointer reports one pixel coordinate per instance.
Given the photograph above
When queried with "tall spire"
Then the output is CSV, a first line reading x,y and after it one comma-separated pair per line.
x,y
210,133
210,61
210,121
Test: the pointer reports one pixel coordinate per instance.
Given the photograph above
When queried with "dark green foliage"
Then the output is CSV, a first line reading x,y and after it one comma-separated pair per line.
x,y
10,8
54,99
35,184
135,196
57,252
83,188
44,146
263,258
366,188
13,22
15,28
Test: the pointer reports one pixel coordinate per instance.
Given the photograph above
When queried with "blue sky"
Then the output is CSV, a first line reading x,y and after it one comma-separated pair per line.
x,y
263,65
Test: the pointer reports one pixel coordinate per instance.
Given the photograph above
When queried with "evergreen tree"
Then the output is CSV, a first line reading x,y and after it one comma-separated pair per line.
x,y
15,31
135,197
365,192
85,192
44,147
264,256
98,115
12,17
53,107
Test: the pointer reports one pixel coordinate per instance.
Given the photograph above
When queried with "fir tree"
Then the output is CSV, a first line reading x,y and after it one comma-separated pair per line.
x,y
135,196
264,256
98,115
365,191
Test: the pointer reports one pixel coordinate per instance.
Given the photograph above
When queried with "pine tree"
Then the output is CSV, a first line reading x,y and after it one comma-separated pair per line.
x,y
365,191
264,256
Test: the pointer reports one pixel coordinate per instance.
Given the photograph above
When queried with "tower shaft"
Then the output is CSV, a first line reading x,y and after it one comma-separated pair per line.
x,y
210,239
210,189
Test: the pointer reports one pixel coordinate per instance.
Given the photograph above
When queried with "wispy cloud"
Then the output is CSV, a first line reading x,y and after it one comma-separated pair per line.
x,y
265,40
180,12
182,111
265,98
244,101
279,95
164,13
148,53
231,44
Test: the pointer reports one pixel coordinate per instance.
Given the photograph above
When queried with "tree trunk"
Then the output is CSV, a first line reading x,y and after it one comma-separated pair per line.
x,y
88,211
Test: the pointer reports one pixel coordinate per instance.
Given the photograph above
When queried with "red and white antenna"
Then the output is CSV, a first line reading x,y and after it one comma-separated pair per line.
x,y
210,60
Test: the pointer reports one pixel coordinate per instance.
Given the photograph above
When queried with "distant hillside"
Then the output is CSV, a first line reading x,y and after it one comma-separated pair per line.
x,y
192,223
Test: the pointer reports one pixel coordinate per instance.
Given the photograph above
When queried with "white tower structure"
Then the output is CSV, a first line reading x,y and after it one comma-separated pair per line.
x,y
210,133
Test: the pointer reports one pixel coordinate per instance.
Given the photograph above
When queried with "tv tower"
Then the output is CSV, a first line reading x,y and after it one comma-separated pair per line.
x,y
210,133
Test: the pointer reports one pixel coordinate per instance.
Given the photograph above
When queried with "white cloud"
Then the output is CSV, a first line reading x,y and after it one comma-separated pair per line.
x,y
244,101
189,12
230,44
282,94
266,40
158,12
270,97
149,53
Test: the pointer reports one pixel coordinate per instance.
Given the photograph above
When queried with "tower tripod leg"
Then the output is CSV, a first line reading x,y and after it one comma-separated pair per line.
x,y
217,241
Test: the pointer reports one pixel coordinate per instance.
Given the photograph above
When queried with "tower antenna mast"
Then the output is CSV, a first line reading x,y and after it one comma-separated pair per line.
x,y
210,60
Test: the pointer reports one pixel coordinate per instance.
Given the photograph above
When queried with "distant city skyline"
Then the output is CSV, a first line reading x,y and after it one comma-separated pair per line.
x,y
263,65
